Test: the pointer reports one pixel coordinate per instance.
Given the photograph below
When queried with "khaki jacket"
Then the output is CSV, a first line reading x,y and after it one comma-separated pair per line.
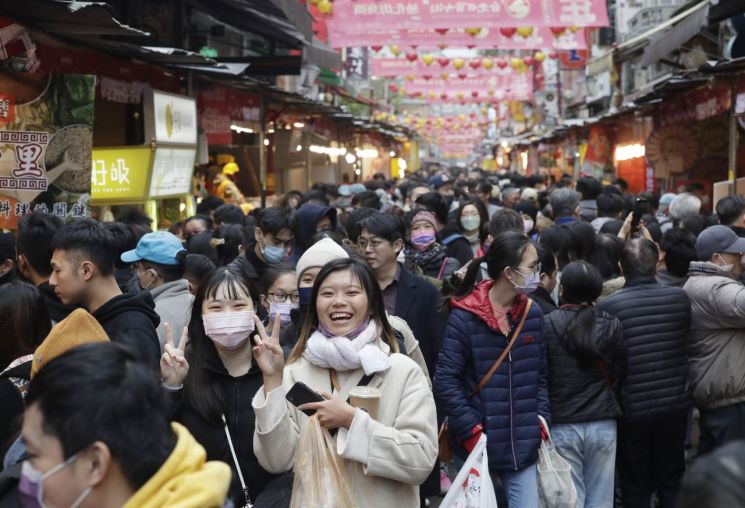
x,y
403,444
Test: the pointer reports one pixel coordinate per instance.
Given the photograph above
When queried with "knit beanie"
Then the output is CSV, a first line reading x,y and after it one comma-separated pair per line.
x,y
75,330
425,216
319,254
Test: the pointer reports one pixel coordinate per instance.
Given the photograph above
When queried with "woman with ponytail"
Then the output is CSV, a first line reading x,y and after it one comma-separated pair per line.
x,y
495,324
586,358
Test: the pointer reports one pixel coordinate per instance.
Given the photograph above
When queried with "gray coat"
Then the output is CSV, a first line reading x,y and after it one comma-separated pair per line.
x,y
717,341
173,304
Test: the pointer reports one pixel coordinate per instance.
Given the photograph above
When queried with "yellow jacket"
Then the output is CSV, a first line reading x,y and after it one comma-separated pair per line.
x,y
185,480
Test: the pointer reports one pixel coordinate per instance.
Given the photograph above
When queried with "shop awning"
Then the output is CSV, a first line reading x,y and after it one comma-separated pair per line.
x,y
68,18
665,43
322,55
285,22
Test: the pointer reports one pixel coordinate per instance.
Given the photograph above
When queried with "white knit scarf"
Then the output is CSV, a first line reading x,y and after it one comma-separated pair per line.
x,y
342,354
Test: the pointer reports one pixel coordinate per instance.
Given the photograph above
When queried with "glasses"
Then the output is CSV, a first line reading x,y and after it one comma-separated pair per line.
x,y
374,244
282,297
536,270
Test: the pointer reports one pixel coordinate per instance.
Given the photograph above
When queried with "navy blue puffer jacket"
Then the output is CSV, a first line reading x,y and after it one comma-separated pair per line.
x,y
509,405
656,323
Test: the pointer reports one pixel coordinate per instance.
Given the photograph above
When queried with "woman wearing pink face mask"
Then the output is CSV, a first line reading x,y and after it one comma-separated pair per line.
x,y
423,251
216,376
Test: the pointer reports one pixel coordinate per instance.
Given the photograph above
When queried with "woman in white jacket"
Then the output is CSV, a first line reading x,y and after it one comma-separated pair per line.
x,y
344,338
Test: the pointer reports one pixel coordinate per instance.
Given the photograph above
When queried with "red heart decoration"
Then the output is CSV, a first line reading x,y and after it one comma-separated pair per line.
x,y
443,96
471,46
553,55
528,60
411,57
508,32
444,62
558,30
376,48
393,88
427,77
502,64
474,94
462,75
474,64
442,31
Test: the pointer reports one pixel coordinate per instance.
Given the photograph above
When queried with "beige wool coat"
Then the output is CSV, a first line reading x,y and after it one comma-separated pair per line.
x,y
403,440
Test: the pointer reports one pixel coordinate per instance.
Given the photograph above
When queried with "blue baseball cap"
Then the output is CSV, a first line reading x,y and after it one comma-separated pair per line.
x,y
160,247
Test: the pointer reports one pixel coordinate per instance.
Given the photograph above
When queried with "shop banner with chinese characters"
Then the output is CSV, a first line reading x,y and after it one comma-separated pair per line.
x,y
121,174
360,15
46,137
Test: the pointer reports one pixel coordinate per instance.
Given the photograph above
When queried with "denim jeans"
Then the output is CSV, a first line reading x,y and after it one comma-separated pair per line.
x,y
519,488
591,450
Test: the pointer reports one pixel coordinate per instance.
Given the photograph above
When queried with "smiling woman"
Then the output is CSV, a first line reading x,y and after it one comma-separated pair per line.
x,y
346,341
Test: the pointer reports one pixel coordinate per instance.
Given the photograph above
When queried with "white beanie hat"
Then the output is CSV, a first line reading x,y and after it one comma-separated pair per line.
x,y
319,254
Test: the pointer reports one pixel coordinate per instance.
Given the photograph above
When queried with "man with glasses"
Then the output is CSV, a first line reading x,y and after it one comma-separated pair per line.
x,y
273,237
405,295
717,340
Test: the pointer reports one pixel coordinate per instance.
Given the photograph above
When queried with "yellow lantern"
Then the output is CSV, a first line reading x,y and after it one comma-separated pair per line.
x,y
459,63
487,63
525,31
325,7
428,59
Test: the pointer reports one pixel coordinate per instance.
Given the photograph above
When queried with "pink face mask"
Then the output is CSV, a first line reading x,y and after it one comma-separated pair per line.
x,y
229,330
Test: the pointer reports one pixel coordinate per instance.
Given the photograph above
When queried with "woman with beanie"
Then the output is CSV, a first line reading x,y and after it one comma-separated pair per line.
x,y
422,251
586,358
495,324
346,341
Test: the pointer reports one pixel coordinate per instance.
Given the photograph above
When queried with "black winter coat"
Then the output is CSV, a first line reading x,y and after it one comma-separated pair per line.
x,y
656,321
580,394
130,319
237,395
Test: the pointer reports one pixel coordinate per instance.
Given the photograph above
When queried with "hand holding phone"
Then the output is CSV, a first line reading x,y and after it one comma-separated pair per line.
x,y
301,394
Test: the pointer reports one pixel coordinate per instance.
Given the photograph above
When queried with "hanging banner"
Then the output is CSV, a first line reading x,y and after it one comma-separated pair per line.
x,y
518,87
438,67
558,38
46,137
359,15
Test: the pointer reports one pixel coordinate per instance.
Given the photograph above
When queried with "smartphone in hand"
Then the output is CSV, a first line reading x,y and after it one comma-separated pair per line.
x,y
301,394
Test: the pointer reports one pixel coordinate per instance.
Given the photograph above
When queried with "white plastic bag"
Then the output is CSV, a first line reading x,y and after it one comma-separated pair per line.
x,y
472,488
556,488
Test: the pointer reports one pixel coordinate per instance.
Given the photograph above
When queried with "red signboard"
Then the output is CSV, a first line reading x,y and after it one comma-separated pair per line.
x,y
219,107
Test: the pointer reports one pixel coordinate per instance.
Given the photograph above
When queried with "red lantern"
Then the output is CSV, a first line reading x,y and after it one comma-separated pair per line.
x,y
412,57
528,60
443,96
462,75
502,64
393,88
508,32
474,64
376,48
444,62
427,77
558,30
553,55
442,31
474,94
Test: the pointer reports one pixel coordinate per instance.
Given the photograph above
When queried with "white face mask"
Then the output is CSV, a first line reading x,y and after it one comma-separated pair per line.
x,y
229,330
725,268
283,309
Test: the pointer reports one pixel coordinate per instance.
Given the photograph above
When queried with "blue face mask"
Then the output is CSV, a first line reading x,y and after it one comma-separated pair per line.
x,y
305,295
274,254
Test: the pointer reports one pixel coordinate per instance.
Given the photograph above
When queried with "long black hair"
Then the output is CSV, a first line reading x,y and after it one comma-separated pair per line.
x,y
199,384
506,250
364,274
581,285
24,320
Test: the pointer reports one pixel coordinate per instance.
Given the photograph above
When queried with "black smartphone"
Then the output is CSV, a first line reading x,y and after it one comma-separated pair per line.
x,y
639,210
301,394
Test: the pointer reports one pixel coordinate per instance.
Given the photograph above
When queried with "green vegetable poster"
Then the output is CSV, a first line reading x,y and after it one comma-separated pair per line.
x,y
46,139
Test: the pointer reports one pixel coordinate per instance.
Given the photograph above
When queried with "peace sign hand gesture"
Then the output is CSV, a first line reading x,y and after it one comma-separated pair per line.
x,y
268,354
173,364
